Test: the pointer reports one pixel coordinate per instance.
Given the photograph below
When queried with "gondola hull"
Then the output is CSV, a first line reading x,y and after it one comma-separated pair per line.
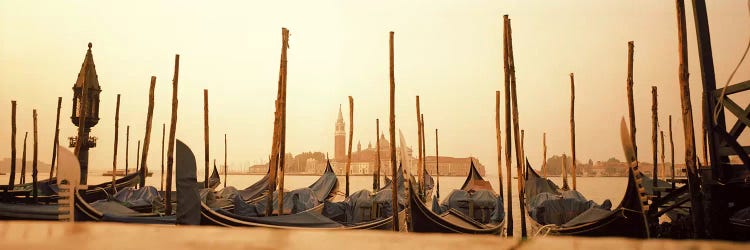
x,y
423,220
624,221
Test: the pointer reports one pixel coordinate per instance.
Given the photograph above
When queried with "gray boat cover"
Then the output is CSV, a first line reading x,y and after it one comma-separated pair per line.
x,y
364,206
564,208
254,191
741,217
306,219
112,207
132,197
295,201
487,206
188,207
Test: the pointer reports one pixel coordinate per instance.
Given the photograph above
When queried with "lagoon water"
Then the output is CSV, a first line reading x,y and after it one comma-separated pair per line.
x,y
593,188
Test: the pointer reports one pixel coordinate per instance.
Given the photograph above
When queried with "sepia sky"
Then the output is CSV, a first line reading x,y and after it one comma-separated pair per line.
x,y
447,52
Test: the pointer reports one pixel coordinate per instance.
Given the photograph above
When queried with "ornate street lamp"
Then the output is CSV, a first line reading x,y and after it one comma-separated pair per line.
x,y
85,112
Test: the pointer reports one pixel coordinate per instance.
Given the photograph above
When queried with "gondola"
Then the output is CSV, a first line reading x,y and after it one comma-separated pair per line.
x,y
48,187
452,221
627,220
310,219
188,200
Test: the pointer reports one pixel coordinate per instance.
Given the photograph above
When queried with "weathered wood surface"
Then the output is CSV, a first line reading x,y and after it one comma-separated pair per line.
x,y
564,243
81,236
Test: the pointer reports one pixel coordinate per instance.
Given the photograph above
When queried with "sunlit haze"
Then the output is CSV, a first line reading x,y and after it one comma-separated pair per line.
x,y
447,52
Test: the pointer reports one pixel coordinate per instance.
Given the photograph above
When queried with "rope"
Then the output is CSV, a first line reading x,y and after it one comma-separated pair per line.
x,y
544,230
726,84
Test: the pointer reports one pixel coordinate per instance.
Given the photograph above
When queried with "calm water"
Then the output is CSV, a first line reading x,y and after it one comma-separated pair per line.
x,y
594,188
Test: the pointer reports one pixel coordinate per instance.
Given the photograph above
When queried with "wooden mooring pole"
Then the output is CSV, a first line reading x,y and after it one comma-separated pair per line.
x,y
655,138
137,160
22,180
506,67
499,140
631,108
56,140
225,160
376,178
392,131
516,125
573,128
35,162
172,130
419,155
282,129
687,122
671,154
351,140
147,137
544,155
114,153
437,168
163,132
206,151
12,179
127,148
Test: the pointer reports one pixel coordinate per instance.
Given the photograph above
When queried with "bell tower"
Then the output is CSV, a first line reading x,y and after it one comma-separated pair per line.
x,y
340,138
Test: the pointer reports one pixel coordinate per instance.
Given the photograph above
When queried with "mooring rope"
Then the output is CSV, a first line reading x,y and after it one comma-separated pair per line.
x,y
726,84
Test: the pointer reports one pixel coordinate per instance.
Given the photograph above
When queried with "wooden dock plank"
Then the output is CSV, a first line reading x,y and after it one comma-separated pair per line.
x,y
61,235
575,243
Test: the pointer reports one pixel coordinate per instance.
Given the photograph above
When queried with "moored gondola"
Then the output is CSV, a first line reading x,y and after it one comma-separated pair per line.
x,y
422,219
627,220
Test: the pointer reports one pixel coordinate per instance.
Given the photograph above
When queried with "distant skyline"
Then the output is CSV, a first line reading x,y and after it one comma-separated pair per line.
x,y
447,53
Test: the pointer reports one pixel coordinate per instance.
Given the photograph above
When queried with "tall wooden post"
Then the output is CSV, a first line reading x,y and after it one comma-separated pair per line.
x,y
22,180
281,109
655,137
147,137
424,155
56,140
117,135
420,177
663,169
573,129
631,108
163,132
127,148
205,139
137,159
35,162
12,179
516,133
392,130
544,155
351,139
172,130
564,169
376,181
687,121
225,160
671,150
506,67
704,136
437,168
499,140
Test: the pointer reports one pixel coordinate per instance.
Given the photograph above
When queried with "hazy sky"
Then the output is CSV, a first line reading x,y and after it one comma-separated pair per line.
x,y
448,52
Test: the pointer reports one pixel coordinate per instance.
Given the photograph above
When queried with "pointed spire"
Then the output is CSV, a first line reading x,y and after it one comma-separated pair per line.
x,y
87,76
341,117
